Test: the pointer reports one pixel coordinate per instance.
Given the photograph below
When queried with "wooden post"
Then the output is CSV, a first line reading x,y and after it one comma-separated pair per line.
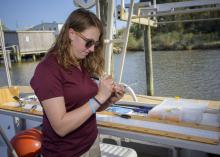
x,y
34,57
18,54
8,58
148,60
14,53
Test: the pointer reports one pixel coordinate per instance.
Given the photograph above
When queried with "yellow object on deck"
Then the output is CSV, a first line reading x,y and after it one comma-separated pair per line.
x,y
7,93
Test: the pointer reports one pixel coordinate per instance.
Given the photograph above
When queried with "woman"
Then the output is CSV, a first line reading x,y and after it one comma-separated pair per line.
x,y
69,96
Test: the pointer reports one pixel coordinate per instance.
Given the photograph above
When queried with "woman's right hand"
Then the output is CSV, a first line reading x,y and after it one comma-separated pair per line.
x,y
106,87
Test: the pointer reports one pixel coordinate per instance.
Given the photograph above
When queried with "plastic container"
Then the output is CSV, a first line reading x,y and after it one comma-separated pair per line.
x,y
184,110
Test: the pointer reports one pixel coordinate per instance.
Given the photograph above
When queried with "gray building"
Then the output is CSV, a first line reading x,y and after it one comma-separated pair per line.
x,y
54,26
30,42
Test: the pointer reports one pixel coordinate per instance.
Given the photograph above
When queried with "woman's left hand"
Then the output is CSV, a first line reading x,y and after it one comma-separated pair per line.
x,y
119,91
117,94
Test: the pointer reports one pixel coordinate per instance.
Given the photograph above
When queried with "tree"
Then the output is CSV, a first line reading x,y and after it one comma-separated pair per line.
x,y
4,27
136,30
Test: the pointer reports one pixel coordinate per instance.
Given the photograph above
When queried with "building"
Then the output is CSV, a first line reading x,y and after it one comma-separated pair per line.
x,y
29,42
54,26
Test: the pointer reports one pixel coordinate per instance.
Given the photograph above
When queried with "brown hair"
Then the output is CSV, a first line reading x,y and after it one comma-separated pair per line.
x,y
79,20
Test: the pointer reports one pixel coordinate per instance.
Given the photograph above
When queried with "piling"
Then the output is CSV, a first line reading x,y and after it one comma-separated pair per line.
x,y
148,60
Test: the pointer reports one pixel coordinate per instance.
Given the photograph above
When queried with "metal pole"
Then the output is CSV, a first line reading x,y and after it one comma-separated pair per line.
x,y
4,137
4,54
126,41
186,11
109,35
193,20
155,7
98,9
18,122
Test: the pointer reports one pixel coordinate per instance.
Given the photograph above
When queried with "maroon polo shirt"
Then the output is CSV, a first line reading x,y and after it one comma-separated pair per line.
x,y
51,80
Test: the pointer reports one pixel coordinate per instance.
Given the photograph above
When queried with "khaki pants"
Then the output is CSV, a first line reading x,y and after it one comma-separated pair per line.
x,y
94,151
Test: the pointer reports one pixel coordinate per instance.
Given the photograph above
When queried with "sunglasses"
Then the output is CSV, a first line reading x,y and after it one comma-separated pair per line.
x,y
89,42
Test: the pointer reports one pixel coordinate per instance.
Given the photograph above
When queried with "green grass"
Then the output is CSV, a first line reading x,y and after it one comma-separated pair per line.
x,y
176,41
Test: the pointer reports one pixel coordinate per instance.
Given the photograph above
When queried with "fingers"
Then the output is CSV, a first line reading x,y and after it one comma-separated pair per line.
x,y
105,76
119,88
119,91
108,81
112,87
106,87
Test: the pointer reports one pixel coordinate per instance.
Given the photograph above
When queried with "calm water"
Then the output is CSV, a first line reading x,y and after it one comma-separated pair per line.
x,y
188,74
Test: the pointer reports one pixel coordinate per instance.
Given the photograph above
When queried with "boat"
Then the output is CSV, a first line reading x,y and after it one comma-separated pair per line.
x,y
187,136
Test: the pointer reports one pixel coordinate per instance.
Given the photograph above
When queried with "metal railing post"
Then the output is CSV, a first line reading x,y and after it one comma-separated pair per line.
x,y
4,54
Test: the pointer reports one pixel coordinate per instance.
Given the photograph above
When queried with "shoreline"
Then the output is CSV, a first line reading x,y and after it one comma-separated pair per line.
x,y
117,50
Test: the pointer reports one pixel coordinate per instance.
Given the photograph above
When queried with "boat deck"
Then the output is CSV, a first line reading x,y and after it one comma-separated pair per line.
x,y
200,137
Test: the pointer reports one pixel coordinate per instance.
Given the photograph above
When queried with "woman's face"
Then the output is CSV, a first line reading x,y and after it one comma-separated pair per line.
x,y
84,42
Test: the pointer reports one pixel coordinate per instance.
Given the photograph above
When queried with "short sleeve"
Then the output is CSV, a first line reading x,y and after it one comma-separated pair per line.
x,y
47,82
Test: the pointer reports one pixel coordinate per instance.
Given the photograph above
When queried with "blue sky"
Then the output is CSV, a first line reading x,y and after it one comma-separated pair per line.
x,y
19,14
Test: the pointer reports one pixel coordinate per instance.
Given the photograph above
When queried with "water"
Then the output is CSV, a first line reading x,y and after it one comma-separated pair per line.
x,y
21,73
188,74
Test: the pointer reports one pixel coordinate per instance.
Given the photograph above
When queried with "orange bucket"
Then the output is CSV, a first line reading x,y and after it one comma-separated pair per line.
x,y
27,143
